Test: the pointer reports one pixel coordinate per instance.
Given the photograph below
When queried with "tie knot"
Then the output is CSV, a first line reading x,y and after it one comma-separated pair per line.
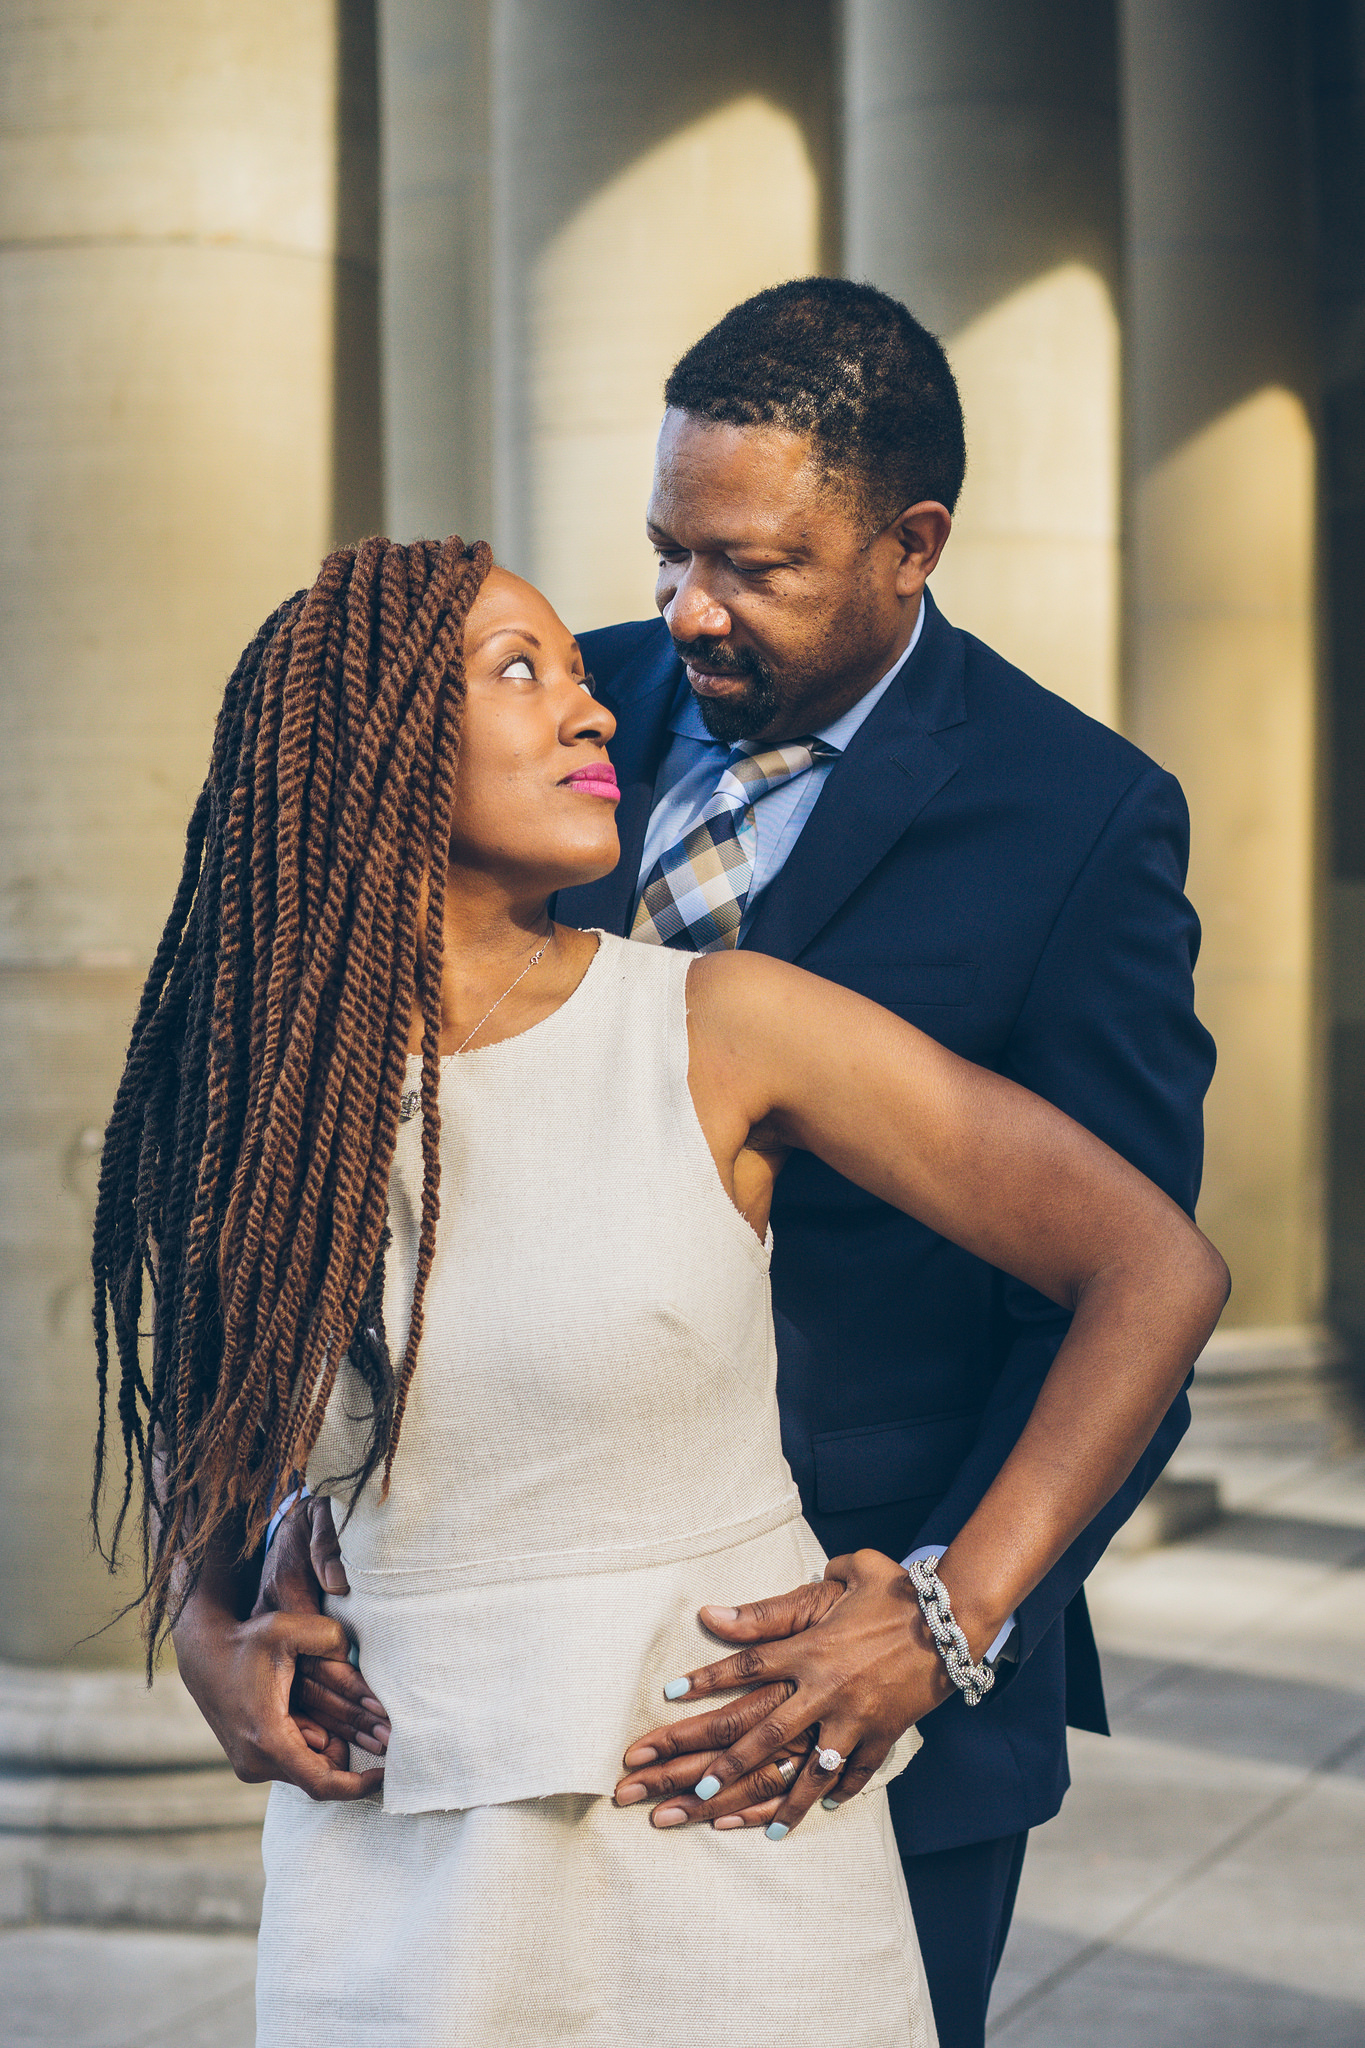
x,y
756,772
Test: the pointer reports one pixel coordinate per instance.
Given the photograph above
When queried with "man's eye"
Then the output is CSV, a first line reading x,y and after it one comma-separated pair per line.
x,y
588,683
520,668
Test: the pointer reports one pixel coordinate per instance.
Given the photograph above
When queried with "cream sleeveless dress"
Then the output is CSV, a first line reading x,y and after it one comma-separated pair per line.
x,y
590,1453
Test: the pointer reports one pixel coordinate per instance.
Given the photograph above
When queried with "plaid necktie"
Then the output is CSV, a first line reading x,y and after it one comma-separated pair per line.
x,y
694,895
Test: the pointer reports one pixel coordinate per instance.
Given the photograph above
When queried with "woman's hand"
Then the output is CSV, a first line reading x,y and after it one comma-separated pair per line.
x,y
240,1674
330,1699
259,1682
846,1664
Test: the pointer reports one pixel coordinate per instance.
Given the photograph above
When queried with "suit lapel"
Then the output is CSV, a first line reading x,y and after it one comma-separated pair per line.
x,y
871,797
640,697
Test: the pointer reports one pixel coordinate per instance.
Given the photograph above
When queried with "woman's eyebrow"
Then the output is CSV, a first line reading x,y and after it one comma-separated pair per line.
x,y
500,632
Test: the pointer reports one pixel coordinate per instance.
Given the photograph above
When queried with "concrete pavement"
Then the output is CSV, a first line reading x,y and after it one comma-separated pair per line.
x,y
1205,1882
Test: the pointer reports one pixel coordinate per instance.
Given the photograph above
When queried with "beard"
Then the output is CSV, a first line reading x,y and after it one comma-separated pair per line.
x,y
741,716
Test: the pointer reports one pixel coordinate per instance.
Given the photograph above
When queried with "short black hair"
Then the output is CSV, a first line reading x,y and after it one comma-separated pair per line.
x,y
849,366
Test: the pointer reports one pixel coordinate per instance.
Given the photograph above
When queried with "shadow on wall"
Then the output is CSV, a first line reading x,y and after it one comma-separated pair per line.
x,y
712,214
1032,566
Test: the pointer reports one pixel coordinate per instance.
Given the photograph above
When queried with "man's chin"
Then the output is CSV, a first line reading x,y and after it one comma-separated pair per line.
x,y
737,716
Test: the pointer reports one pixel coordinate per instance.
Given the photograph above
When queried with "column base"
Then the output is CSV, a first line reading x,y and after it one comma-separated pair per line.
x,y
118,1808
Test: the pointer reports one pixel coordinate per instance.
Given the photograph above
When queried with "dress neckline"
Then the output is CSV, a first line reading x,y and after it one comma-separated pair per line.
x,y
447,1059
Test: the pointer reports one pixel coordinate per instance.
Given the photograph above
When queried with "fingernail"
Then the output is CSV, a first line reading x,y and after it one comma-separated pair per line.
x,y
670,1817
775,1830
381,1736
375,1707
635,1758
830,1805
333,1577
353,1656
630,1795
728,1820
368,1742
676,1688
723,1613
708,1787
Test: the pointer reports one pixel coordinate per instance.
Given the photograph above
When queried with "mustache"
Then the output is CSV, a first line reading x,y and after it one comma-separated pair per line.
x,y
718,659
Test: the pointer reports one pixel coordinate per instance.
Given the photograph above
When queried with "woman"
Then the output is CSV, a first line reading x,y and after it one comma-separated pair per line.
x,y
465,1214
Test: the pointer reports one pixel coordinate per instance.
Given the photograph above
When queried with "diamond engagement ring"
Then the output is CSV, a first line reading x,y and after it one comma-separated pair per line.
x,y
786,1771
830,1760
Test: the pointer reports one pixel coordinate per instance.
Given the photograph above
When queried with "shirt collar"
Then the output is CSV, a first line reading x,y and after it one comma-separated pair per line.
x,y
688,723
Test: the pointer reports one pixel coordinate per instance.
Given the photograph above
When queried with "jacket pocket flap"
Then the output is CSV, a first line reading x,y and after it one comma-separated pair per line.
x,y
889,1461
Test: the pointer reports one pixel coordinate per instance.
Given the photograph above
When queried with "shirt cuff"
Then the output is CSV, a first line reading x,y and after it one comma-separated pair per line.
x,y
1002,1646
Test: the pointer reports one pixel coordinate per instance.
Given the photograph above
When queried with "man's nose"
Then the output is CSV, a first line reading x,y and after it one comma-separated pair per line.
x,y
692,613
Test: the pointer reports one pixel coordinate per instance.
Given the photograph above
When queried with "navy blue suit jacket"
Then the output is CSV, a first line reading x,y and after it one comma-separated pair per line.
x,y
1009,875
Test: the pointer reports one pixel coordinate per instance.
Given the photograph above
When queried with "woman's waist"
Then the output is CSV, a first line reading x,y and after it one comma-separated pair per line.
x,y
426,1558
525,1686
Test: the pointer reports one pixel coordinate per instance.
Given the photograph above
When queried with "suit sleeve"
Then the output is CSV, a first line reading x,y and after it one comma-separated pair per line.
x,y
1108,1033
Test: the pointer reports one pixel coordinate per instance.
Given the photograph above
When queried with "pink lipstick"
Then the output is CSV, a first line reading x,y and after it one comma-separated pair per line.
x,y
597,779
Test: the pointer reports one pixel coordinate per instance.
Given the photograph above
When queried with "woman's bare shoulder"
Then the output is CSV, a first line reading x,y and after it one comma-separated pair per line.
x,y
767,1001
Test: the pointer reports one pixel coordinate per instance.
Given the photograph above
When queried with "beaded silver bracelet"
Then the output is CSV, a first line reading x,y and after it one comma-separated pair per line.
x,y
973,1681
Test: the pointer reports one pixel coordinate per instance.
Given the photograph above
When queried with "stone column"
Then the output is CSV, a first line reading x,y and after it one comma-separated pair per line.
x,y
437,313
1339,110
649,167
981,187
1221,588
190,418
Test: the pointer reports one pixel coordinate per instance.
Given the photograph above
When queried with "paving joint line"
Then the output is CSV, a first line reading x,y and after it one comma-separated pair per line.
x,y
1097,1945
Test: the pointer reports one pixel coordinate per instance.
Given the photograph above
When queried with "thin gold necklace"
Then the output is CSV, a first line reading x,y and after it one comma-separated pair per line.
x,y
501,999
411,1097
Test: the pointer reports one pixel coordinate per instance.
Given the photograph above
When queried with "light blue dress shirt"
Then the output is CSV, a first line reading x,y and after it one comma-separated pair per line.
x,y
693,764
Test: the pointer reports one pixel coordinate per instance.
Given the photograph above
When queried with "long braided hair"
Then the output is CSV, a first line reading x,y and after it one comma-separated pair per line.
x,y
246,1164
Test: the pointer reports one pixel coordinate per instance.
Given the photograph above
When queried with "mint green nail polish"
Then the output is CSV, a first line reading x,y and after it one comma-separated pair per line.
x,y
676,1688
775,1830
830,1805
708,1789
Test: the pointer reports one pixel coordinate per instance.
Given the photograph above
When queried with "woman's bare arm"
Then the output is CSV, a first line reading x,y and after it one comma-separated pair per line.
x,y
780,1060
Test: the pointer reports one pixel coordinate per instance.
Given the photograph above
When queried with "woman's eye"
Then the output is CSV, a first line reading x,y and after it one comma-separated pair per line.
x,y
521,669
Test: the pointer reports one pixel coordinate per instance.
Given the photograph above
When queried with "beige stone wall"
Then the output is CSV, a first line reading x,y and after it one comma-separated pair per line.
x,y
189,420
642,171
1221,681
981,187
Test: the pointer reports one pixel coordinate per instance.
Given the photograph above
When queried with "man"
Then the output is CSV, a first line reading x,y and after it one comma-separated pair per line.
x,y
814,763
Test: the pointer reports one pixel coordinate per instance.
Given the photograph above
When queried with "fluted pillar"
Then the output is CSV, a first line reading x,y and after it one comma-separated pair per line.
x,y
1221,587
190,418
646,167
981,187
435,292
1338,102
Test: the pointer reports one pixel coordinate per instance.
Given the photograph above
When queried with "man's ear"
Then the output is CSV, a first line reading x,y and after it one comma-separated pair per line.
x,y
921,534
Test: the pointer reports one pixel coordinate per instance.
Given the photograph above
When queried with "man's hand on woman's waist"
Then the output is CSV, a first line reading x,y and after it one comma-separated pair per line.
x,y
843,1665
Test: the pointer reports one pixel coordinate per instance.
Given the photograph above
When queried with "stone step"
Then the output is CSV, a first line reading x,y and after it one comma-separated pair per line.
x,y
211,1881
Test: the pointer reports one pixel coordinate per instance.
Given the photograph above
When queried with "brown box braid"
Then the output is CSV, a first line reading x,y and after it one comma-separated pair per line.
x,y
246,1163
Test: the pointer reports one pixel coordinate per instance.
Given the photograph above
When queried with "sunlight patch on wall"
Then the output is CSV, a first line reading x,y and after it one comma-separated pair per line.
x,y
652,260
1032,566
1223,694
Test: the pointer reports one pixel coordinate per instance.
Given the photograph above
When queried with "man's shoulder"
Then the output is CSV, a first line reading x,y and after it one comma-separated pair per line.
x,y
1040,738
